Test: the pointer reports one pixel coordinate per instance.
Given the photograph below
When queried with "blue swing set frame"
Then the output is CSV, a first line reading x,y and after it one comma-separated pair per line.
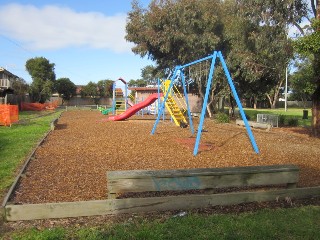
x,y
179,70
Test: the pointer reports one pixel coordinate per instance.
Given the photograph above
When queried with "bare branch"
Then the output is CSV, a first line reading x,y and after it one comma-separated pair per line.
x,y
299,28
313,6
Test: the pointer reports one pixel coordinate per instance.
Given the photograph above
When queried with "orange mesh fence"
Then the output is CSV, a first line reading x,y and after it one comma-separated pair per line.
x,y
51,105
8,114
39,106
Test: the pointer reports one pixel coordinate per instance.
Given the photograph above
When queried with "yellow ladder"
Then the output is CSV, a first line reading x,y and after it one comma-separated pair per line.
x,y
172,106
120,106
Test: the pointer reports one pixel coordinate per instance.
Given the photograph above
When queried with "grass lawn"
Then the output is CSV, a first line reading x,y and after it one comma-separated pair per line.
x,y
16,143
295,223
292,115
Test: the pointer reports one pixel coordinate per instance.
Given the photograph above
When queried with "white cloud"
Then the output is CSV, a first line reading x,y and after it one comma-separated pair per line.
x,y
53,27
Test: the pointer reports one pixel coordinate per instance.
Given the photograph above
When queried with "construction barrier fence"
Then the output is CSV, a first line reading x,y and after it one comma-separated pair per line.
x,y
39,106
8,114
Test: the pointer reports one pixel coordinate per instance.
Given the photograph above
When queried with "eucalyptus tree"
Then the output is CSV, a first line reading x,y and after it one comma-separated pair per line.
x,y
20,86
65,88
105,88
301,81
257,33
137,83
43,78
150,74
251,34
174,32
91,90
309,44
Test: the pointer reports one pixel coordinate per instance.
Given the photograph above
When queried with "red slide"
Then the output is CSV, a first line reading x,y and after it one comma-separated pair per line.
x,y
135,108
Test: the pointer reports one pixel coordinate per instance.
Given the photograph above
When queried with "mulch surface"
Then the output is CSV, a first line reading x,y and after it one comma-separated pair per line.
x,y
71,164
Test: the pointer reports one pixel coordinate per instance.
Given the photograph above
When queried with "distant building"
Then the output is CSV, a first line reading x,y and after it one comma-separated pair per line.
x,y
141,93
6,82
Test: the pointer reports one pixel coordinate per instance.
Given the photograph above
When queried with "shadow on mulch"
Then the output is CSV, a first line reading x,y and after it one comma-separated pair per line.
x,y
307,131
189,142
61,126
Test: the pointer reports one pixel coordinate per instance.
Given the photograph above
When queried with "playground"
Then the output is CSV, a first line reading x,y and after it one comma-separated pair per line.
x,y
89,162
72,162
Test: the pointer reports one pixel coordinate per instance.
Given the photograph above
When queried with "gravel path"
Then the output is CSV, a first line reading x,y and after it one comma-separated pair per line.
x,y
71,164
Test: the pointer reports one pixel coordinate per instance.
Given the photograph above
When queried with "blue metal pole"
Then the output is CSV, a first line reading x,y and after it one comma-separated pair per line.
x,y
187,101
142,110
164,101
113,98
204,106
197,61
126,96
157,107
234,92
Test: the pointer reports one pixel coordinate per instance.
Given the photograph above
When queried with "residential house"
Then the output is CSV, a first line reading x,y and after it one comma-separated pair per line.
x,y
6,81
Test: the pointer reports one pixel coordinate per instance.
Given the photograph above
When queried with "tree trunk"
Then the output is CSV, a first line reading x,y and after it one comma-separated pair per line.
x,y
270,100
273,99
211,103
219,105
255,102
316,112
316,95
231,107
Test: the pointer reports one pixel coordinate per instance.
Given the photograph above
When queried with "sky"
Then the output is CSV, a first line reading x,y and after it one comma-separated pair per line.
x,y
84,39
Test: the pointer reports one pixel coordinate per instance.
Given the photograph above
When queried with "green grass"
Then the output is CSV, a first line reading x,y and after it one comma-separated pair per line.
x,y
293,223
17,141
291,113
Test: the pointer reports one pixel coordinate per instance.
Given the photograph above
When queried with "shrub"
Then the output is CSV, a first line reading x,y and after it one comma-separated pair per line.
x,y
293,122
248,117
222,117
282,119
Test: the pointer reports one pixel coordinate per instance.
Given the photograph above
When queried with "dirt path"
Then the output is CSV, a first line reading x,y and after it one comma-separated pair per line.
x,y
71,165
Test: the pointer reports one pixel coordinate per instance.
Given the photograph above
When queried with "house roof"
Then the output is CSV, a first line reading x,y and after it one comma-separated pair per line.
x,y
7,72
151,89
79,88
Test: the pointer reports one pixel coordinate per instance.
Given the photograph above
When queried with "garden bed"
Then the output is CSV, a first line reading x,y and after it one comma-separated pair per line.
x,y
72,162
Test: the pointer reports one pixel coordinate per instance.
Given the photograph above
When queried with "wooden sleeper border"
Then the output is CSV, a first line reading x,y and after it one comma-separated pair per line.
x,y
118,182
153,204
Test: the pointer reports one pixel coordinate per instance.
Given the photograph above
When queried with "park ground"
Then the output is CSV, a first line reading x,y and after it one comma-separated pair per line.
x,y
71,164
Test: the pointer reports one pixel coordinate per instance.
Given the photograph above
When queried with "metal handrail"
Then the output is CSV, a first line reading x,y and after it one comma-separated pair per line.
x,y
177,94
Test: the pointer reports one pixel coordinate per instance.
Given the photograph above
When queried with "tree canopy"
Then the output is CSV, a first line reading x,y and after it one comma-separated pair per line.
x,y
66,88
91,90
251,34
175,32
309,44
43,77
20,86
105,88
301,81
137,83
261,50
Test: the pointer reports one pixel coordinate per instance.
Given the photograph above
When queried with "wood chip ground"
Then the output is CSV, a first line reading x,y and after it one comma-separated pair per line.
x,y
71,164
